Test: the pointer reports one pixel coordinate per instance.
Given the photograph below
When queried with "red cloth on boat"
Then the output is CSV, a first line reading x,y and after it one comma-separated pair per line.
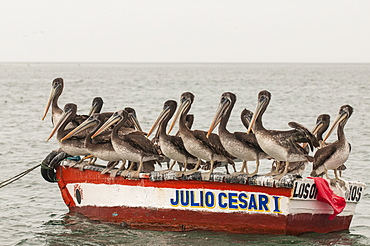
x,y
326,194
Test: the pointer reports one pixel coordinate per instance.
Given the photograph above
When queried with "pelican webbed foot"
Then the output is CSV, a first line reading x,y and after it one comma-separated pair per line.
x,y
169,169
279,176
207,175
125,173
341,182
110,166
91,161
276,170
113,173
243,170
253,174
82,165
194,170
256,170
179,174
272,173
190,172
238,173
135,174
337,179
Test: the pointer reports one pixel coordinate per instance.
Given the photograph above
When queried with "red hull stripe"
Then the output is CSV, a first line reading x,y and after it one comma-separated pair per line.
x,y
174,220
74,175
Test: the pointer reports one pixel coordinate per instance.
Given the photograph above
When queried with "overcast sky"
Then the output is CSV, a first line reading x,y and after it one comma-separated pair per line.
x,y
184,31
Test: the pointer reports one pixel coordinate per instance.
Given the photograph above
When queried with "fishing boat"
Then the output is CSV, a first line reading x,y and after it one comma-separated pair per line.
x,y
236,204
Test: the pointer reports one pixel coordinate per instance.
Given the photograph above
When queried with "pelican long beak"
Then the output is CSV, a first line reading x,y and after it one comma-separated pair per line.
x,y
159,119
93,109
135,121
51,96
218,116
341,117
60,122
317,127
183,106
314,131
89,122
258,110
112,120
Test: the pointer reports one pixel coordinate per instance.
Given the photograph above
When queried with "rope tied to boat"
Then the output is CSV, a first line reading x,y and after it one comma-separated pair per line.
x,y
48,166
45,166
18,176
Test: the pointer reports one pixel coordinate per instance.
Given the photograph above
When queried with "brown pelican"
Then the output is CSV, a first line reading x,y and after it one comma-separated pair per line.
x,y
196,142
171,146
96,106
101,147
73,146
155,140
132,121
280,145
320,127
131,145
239,144
189,120
324,120
322,124
334,155
56,90
98,147
246,117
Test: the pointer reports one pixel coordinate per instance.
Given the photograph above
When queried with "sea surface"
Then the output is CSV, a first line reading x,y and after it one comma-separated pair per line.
x,y
32,211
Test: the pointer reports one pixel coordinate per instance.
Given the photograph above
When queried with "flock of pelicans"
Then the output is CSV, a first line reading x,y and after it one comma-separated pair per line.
x,y
117,136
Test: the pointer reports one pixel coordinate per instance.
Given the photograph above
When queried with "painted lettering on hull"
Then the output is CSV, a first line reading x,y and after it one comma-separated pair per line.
x,y
305,191
354,193
237,201
308,191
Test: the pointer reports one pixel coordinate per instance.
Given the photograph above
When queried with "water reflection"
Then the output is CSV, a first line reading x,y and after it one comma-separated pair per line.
x,y
76,229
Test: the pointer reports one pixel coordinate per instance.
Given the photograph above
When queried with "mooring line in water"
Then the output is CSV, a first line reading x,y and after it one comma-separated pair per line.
x,y
18,176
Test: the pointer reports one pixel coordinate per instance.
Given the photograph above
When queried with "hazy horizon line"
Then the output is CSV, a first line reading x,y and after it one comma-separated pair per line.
x,y
169,62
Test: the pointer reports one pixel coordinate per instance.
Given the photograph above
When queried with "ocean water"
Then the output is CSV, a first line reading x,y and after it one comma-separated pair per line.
x,y
32,211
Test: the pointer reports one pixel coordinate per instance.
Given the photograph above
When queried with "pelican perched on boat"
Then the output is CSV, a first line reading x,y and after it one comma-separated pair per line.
x,y
101,148
73,146
56,90
280,145
322,124
57,87
239,144
334,155
196,141
132,121
96,106
246,117
171,146
155,140
131,145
